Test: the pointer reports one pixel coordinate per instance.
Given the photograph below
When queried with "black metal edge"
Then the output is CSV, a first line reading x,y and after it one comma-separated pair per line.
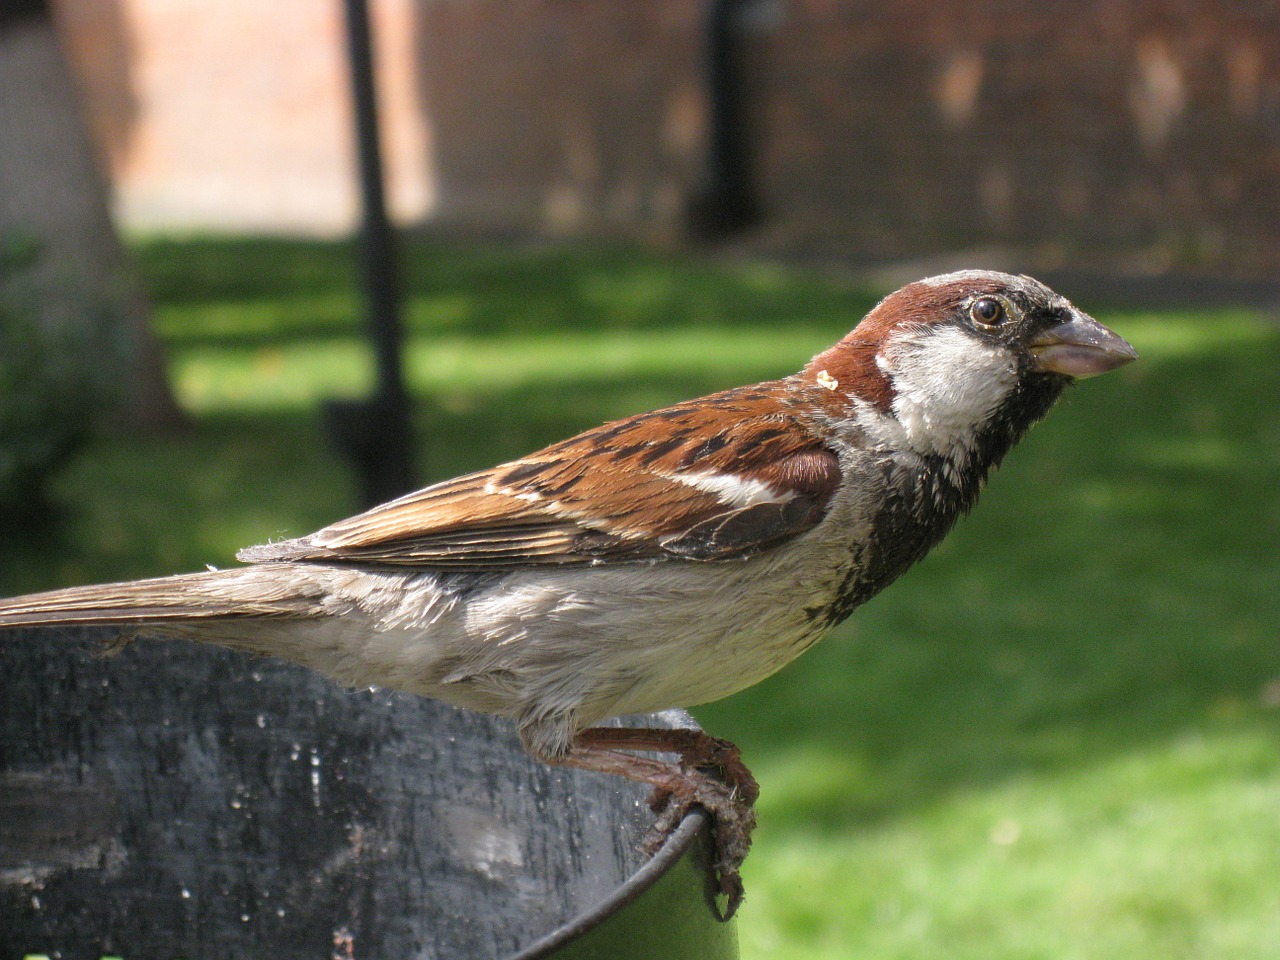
x,y
668,855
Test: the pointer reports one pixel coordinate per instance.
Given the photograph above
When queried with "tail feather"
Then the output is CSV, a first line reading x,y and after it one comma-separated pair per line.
x,y
240,592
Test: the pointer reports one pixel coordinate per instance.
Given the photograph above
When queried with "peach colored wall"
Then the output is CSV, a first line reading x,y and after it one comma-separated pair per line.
x,y
236,114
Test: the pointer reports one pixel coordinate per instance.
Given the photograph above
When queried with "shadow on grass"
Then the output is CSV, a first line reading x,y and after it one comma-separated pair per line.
x,y
220,289
136,506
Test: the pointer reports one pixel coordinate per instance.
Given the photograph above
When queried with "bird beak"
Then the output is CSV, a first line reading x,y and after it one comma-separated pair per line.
x,y
1080,347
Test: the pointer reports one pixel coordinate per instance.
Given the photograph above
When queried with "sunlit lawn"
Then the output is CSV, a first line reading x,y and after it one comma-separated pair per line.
x,y
1057,738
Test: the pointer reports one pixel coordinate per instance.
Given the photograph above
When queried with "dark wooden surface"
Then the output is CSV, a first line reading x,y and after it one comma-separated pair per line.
x,y
182,801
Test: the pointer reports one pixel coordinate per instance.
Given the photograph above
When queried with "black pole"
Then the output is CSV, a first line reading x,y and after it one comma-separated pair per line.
x,y
726,203
375,433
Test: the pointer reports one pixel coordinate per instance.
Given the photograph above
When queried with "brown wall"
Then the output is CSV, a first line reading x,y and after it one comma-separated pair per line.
x,y
1149,128
564,115
1142,133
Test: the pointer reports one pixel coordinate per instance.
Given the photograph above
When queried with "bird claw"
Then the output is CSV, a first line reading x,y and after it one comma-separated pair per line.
x,y
733,818
710,774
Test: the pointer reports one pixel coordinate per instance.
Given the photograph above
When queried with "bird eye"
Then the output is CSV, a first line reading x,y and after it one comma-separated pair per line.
x,y
987,311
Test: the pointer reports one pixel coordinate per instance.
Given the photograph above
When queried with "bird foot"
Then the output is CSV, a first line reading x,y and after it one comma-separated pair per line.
x,y
732,820
710,775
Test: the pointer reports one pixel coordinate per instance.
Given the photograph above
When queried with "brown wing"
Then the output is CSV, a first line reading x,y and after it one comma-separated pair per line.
x,y
725,476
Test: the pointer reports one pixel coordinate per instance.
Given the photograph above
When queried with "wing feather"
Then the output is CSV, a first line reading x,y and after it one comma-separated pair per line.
x,y
711,479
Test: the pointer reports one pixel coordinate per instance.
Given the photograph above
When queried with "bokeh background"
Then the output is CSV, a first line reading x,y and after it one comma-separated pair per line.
x,y
1058,737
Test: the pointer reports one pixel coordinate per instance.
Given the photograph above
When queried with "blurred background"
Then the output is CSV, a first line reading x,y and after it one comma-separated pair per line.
x,y
1059,736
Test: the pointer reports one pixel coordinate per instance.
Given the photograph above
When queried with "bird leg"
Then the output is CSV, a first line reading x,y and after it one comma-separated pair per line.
x,y
709,774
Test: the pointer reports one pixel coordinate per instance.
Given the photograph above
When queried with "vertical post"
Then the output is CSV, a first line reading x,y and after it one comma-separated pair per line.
x,y
726,203
374,434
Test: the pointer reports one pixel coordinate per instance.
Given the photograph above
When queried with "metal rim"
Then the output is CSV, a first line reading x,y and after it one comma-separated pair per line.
x,y
670,853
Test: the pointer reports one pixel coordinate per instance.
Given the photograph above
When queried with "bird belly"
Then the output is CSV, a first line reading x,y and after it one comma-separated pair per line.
x,y
560,648
603,641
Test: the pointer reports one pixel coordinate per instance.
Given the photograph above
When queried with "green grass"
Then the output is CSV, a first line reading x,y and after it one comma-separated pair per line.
x,y
1058,737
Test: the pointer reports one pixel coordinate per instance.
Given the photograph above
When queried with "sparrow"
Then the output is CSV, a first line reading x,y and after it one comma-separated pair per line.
x,y
665,560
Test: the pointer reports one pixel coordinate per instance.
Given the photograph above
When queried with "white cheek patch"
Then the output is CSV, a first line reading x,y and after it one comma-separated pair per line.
x,y
947,383
732,490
